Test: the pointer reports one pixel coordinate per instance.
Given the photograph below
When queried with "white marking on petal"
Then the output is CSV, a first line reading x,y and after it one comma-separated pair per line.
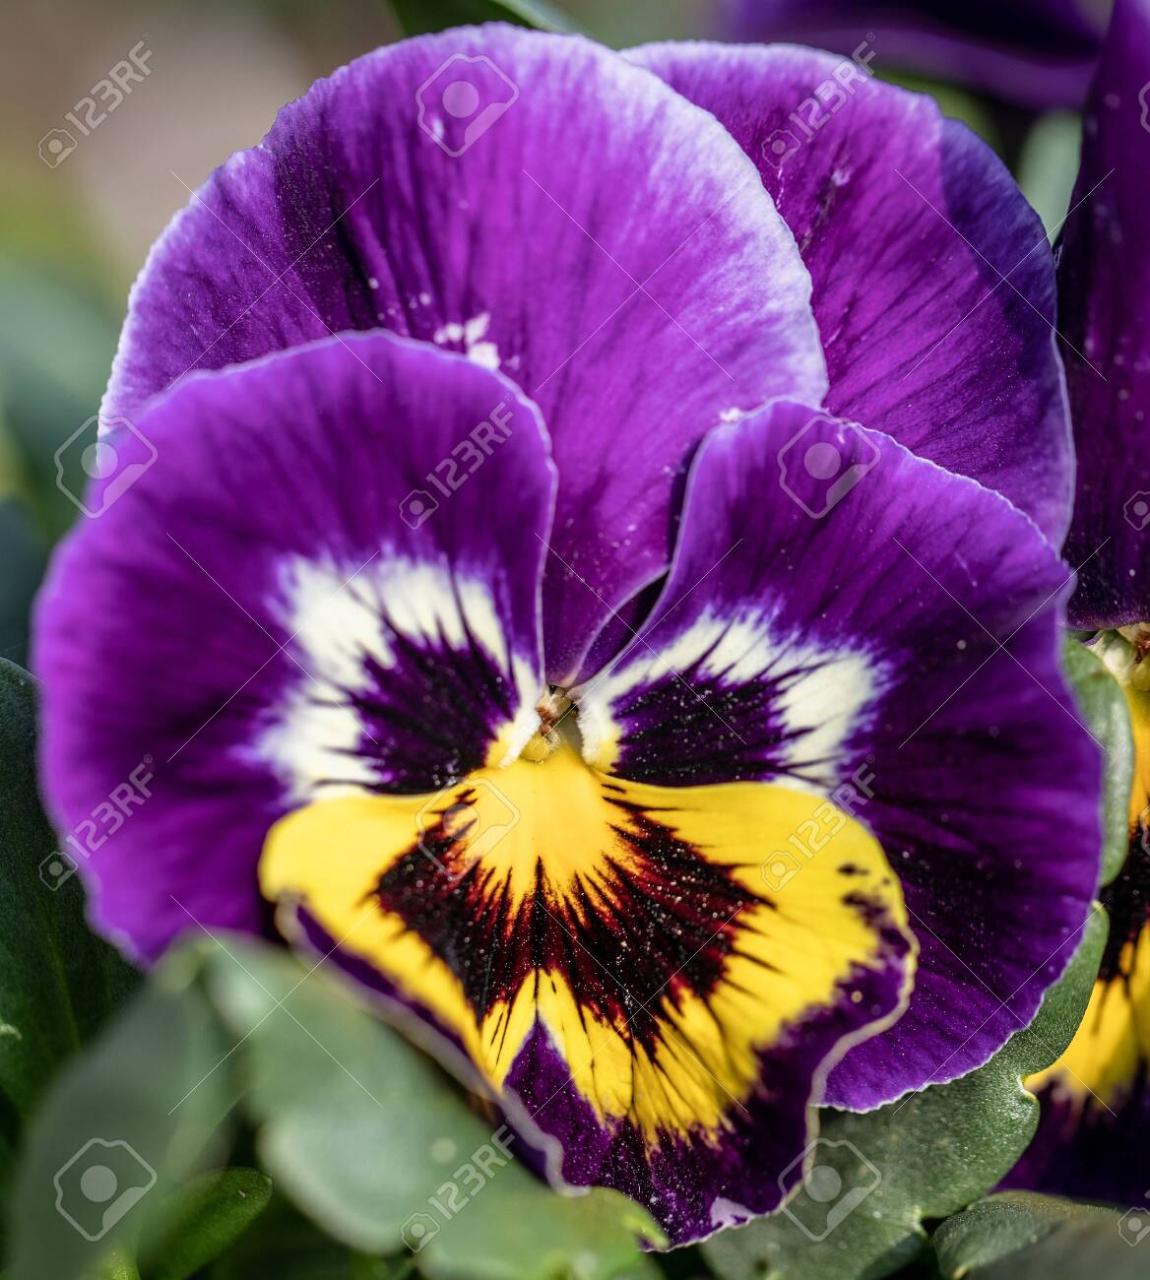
x,y
823,696
471,335
340,620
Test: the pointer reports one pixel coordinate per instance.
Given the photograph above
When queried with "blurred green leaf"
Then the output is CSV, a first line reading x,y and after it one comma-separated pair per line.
x,y
202,1220
284,1244
23,555
375,1143
932,1154
56,348
1048,166
58,982
125,1123
1103,706
420,16
953,102
1009,1225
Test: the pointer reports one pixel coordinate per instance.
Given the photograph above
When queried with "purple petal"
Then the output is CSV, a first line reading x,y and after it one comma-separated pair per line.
x,y
933,279
1104,287
276,609
884,633
1037,53
601,240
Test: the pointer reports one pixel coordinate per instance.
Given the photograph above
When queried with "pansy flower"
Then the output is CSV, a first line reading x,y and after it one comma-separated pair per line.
x,y
588,576
1094,1138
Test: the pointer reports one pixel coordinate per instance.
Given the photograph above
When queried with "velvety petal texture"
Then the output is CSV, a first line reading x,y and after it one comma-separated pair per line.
x,y
270,614
845,618
655,1014
1036,53
497,612
539,204
933,279
1104,302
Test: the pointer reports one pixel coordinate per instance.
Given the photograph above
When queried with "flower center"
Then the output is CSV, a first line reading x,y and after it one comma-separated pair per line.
x,y
558,723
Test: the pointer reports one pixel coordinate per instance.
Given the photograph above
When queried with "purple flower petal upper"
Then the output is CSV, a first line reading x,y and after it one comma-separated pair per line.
x,y
287,621
595,236
933,280
1037,53
888,637
1104,304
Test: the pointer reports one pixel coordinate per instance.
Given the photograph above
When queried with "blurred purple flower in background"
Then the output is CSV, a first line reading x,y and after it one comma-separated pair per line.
x,y
1033,53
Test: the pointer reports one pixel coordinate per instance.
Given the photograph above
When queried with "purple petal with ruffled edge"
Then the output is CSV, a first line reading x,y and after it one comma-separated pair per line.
x,y
933,279
1037,53
292,614
885,633
1104,287
595,236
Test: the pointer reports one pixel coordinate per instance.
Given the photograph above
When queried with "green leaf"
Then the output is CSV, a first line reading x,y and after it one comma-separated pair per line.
x,y
420,16
123,1125
924,1157
202,1220
1003,1225
284,1244
374,1142
24,557
953,102
58,982
1103,706
1048,166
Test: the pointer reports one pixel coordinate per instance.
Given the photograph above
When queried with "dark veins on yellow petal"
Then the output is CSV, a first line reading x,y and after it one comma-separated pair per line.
x,y
671,916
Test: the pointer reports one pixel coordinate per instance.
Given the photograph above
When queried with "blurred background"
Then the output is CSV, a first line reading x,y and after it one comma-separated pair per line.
x,y
86,188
